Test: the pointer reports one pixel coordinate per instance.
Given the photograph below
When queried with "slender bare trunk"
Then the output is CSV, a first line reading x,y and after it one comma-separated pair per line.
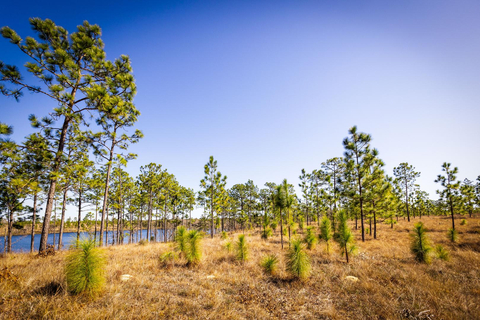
x,y
62,221
32,240
53,184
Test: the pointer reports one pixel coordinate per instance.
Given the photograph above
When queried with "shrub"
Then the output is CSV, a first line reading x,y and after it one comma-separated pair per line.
x,y
193,251
85,269
463,222
267,233
142,242
326,231
167,259
298,261
224,235
269,264
242,248
442,253
420,245
452,235
181,239
310,238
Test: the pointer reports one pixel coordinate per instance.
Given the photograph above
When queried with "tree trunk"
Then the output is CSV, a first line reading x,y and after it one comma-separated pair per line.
x,y
281,228
346,252
165,220
53,184
96,215
406,200
62,221
9,231
32,241
105,198
451,211
79,212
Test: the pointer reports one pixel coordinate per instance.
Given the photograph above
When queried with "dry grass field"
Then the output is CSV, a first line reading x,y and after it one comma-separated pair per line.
x,y
391,285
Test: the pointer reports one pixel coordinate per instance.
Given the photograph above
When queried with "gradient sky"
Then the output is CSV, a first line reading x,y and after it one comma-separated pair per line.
x,y
271,87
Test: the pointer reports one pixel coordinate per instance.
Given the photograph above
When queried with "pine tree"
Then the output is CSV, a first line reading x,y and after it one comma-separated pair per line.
x,y
357,148
73,72
406,176
212,184
451,188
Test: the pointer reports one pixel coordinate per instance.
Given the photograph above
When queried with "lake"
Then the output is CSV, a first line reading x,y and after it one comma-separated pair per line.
x,y
21,243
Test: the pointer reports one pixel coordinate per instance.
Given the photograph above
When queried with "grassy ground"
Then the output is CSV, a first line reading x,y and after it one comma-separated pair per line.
x,y
391,285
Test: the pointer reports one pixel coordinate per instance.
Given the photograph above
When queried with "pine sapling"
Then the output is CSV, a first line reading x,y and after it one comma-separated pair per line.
x,y
242,248
326,231
266,233
310,238
452,235
193,248
181,240
420,245
442,253
297,260
85,269
345,237
269,264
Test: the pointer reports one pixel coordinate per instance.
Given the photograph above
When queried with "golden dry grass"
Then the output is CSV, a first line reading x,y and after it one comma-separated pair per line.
x,y
391,284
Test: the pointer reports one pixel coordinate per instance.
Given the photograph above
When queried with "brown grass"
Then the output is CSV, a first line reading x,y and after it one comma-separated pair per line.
x,y
391,284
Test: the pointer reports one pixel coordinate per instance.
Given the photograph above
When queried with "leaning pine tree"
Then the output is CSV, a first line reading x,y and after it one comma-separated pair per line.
x,y
72,71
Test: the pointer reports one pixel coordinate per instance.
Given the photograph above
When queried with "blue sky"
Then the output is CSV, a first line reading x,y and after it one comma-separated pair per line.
x,y
271,87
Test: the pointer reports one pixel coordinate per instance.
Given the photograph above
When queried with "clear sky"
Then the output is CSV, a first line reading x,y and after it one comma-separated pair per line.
x,y
271,87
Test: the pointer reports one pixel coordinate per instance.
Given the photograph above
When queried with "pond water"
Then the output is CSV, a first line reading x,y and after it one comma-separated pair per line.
x,y
21,243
